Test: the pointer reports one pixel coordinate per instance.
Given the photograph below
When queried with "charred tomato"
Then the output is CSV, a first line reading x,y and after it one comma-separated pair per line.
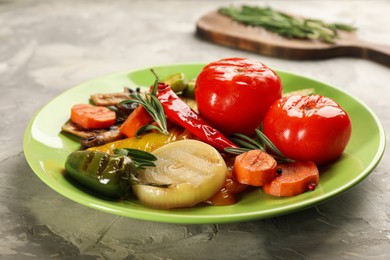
x,y
234,94
308,128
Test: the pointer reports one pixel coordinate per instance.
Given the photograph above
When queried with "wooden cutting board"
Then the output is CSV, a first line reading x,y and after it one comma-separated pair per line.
x,y
222,30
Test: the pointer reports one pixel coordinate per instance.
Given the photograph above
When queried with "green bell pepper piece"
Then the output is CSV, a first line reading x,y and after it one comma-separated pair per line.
x,y
104,173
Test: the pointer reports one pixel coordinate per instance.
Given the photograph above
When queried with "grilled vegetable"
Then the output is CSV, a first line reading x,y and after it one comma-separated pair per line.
x,y
94,137
195,170
109,99
122,111
179,112
106,174
255,168
92,117
177,82
109,175
228,194
137,119
293,179
148,141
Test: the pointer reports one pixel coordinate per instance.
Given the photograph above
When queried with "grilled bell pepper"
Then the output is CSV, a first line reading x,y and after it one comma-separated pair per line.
x,y
179,112
148,141
106,174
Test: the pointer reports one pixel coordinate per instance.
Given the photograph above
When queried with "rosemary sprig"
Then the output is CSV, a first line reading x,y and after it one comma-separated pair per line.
x,y
260,143
285,25
153,106
140,158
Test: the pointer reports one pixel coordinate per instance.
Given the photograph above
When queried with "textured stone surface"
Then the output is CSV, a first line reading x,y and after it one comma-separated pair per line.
x,y
47,47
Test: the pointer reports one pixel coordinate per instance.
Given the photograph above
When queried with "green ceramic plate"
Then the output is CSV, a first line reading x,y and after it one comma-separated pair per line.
x,y
46,149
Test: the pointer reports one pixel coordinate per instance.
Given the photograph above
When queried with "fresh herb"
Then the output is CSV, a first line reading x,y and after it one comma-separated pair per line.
x,y
140,158
261,142
284,24
153,106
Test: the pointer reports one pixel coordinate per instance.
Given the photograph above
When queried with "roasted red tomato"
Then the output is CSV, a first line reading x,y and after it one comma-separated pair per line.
x,y
308,128
234,94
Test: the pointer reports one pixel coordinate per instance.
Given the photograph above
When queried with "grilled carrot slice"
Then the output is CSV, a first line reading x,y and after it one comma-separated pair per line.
x,y
92,117
138,118
254,168
294,178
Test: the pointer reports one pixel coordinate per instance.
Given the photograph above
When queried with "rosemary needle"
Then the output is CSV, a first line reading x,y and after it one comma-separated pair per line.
x,y
285,25
140,158
153,106
261,142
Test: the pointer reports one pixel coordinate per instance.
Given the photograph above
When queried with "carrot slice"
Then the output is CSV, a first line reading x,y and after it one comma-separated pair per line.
x,y
138,118
295,178
254,168
92,117
227,195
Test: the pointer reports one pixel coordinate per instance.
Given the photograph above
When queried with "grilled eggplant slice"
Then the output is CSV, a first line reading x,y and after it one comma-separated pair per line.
x,y
91,138
109,99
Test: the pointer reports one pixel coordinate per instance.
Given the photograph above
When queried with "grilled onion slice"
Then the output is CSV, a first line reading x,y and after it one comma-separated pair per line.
x,y
195,170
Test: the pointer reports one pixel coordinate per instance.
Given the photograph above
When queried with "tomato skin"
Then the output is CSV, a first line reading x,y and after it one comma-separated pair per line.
x,y
234,94
308,128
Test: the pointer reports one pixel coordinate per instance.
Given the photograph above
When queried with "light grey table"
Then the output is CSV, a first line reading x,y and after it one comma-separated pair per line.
x,y
46,47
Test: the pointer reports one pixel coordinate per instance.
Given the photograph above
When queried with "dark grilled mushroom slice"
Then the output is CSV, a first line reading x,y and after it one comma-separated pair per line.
x,y
91,138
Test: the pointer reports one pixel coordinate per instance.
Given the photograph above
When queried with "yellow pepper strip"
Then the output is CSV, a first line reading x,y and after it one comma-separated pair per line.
x,y
148,142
